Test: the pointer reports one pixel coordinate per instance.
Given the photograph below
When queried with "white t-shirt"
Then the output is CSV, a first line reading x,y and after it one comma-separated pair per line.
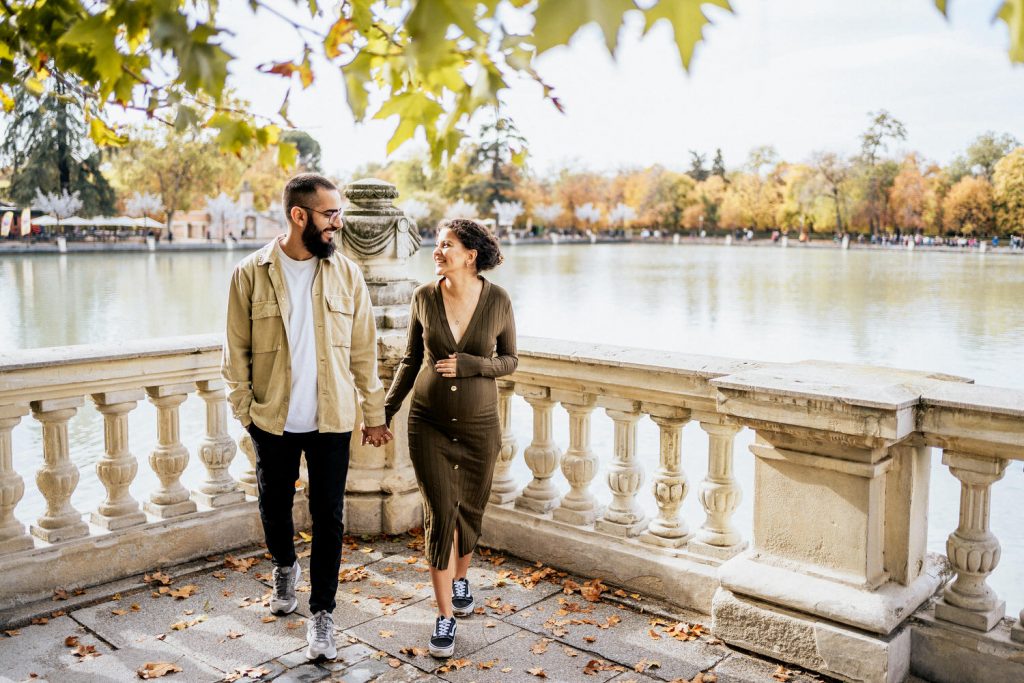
x,y
302,404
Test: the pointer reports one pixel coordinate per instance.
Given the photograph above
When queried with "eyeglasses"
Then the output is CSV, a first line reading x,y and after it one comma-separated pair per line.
x,y
330,214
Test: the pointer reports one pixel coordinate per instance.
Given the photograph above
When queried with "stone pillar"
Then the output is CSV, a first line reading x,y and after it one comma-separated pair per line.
x,y
170,457
670,485
58,477
248,481
580,463
836,564
720,493
1017,630
542,455
117,468
13,536
382,493
973,550
503,485
217,450
623,517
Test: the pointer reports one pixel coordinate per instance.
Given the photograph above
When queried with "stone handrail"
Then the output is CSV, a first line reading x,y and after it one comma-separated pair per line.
x,y
840,494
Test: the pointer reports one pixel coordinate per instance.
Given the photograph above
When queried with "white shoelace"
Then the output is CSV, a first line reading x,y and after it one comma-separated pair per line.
x,y
460,588
444,627
322,625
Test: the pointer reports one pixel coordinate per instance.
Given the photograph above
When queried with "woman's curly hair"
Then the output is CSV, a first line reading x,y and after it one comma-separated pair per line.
x,y
475,236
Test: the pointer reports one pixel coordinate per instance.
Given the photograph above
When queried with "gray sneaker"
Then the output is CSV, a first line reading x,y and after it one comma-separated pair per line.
x,y
283,601
320,636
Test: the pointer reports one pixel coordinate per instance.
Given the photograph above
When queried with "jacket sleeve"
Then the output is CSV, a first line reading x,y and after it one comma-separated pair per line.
x,y
409,366
503,363
363,357
236,362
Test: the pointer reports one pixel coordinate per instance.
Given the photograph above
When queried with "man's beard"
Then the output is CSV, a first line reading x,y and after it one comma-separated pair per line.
x,y
313,240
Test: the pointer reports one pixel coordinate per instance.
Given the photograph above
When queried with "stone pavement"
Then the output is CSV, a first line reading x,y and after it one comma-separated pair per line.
x,y
209,619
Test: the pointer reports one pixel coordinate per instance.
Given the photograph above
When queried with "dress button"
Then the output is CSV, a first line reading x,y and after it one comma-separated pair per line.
x,y
456,467
455,388
455,440
455,419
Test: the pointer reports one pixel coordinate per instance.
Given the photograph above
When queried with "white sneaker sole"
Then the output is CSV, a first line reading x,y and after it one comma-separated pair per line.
x,y
441,652
463,611
293,605
315,653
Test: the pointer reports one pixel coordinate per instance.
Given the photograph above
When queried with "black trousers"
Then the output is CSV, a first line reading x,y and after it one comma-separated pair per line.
x,y
277,469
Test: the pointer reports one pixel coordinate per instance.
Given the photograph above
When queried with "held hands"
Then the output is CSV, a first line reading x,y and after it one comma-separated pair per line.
x,y
375,436
447,366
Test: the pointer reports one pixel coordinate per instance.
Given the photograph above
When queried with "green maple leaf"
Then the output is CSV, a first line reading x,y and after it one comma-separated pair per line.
x,y
559,20
99,36
357,76
687,21
1012,12
428,28
414,109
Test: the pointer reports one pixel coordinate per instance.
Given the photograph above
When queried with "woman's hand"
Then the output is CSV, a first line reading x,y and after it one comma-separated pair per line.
x,y
447,367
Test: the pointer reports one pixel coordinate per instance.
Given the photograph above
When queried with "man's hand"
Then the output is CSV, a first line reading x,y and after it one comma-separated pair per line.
x,y
447,367
375,436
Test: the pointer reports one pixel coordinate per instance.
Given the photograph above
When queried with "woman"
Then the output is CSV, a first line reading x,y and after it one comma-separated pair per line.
x,y
463,324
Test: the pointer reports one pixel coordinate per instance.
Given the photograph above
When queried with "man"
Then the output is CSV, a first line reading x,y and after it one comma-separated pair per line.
x,y
300,344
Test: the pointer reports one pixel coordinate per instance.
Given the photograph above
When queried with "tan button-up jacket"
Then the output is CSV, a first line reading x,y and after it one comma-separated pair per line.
x,y
257,360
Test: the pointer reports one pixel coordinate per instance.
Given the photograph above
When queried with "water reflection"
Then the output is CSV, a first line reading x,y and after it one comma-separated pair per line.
x,y
954,313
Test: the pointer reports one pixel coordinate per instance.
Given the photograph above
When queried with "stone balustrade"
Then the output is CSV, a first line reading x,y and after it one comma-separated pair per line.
x,y
834,577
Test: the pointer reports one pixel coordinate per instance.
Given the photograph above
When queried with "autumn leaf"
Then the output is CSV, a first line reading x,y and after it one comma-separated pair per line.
x,y
156,669
386,634
39,621
60,594
184,592
782,674
687,20
592,590
558,21
415,651
233,635
269,618
71,641
644,665
540,647
589,639
538,672
10,633
157,577
483,666
394,663
86,652
241,565
306,537
119,612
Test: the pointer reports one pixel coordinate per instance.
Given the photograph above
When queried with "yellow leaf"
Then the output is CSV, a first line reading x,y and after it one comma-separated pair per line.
x,y
33,85
308,538
1012,12
156,669
5,100
287,155
687,21
341,33
558,20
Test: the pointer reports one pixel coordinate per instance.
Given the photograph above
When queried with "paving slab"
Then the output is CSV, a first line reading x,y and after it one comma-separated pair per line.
x,y
498,588
40,649
213,616
412,626
626,638
634,677
383,671
304,673
123,664
512,658
742,668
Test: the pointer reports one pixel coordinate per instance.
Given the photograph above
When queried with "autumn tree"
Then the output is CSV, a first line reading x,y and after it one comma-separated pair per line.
x,y
908,196
718,165
46,147
968,207
982,155
1008,181
834,173
874,173
697,170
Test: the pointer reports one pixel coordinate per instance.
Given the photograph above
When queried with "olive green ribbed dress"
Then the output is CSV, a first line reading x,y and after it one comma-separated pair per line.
x,y
454,436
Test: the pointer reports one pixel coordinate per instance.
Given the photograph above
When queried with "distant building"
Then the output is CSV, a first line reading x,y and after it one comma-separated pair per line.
x,y
250,224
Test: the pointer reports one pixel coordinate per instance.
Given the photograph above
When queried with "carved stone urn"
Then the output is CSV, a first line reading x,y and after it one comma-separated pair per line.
x,y
381,238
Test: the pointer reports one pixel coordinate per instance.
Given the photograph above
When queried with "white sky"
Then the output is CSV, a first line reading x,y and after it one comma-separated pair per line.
x,y
800,75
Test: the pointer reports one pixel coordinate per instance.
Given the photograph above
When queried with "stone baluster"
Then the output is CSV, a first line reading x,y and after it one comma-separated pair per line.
x,y
248,480
542,455
503,485
1017,631
217,450
670,484
170,457
579,465
623,517
973,549
118,467
720,493
13,536
58,477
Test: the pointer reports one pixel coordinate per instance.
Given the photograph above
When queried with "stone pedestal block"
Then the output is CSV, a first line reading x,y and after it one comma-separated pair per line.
x,y
826,647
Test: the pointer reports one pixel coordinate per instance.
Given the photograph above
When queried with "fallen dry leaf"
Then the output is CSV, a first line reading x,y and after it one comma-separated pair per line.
x,y
589,639
135,607
506,669
487,665
308,538
415,651
643,665
59,594
156,669
241,565
386,634
157,577
119,612
58,613
39,621
653,634
782,674
10,633
352,575
292,625
592,590
269,618
540,647
538,672
86,652
71,641
232,635
394,663
412,560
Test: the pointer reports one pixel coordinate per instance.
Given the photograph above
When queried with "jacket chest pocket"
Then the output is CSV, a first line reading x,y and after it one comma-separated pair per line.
x,y
267,326
340,309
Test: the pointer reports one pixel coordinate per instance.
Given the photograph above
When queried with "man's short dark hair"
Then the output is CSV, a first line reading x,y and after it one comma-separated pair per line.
x,y
302,189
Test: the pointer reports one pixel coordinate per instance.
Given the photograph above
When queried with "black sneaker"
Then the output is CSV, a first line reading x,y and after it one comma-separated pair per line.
x,y
442,643
462,599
